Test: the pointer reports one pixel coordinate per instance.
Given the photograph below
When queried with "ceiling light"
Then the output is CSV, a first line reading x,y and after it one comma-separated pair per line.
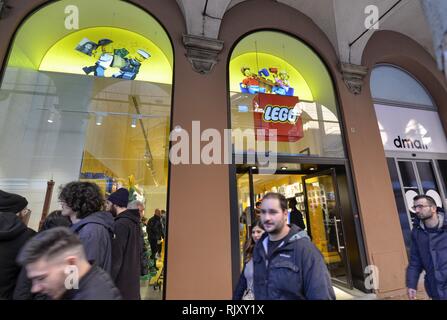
x,y
134,123
51,117
99,119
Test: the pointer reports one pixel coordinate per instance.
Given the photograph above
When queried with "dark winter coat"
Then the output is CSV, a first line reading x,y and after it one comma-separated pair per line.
x,y
429,252
295,270
96,284
154,228
126,256
13,235
96,232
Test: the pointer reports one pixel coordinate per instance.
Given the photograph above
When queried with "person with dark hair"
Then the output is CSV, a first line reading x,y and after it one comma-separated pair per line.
x,y
155,233
23,287
257,215
244,288
287,265
13,235
296,217
56,263
428,249
82,202
56,219
126,247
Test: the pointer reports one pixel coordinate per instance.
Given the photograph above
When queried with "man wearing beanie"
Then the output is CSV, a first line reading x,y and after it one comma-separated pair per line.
x,y
117,201
13,235
126,247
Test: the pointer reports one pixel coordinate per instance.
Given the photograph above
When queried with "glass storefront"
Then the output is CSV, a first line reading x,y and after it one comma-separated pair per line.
x,y
282,96
413,138
278,83
91,103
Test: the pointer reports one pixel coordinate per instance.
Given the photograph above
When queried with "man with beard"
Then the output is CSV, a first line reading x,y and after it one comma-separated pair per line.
x,y
428,249
287,265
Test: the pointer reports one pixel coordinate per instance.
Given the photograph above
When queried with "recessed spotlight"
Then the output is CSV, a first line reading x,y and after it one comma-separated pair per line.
x,y
312,168
283,168
99,119
254,168
52,117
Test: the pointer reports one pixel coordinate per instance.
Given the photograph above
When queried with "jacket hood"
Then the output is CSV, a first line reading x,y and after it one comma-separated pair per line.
x,y
442,224
10,226
294,234
131,214
102,217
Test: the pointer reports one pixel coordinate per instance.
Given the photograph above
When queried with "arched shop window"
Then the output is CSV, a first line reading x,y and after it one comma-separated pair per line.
x,y
273,69
413,138
392,85
90,103
278,84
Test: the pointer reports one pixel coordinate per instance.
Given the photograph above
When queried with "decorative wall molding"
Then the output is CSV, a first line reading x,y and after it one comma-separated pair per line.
x,y
353,76
202,52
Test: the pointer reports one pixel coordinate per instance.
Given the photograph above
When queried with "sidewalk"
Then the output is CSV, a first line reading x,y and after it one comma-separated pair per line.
x,y
354,294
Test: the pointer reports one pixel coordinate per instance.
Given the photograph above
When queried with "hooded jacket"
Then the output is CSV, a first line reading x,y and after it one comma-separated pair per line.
x,y
96,232
13,235
126,254
429,252
295,270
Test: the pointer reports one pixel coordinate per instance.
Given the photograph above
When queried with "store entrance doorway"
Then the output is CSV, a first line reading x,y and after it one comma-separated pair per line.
x,y
313,194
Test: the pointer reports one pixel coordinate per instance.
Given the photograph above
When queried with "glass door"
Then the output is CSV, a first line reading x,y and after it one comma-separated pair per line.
x,y
413,177
325,223
244,180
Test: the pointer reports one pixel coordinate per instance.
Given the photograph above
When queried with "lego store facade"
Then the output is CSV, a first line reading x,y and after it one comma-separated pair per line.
x,y
93,91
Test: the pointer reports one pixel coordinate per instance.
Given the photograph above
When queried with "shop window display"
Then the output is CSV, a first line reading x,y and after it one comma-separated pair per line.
x,y
278,83
90,104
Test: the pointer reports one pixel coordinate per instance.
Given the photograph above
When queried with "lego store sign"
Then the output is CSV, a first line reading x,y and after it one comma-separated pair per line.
x,y
280,113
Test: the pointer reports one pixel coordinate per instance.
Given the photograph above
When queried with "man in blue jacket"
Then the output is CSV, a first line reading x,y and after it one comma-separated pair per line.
x,y
428,250
83,202
287,265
